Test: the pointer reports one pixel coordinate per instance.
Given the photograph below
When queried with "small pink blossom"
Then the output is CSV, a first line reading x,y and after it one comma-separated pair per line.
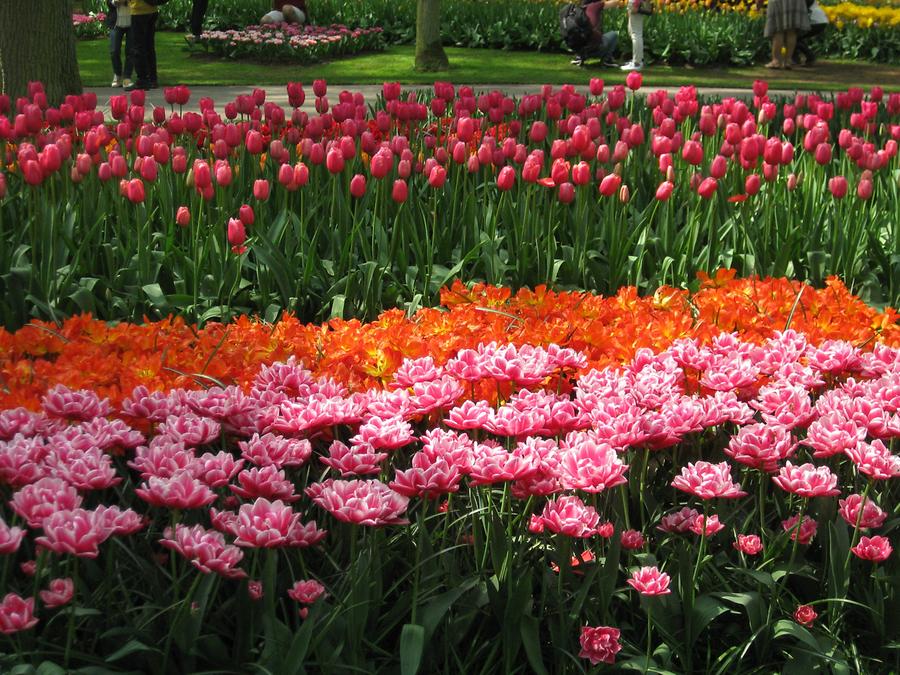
x,y
16,614
807,480
632,539
805,615
306,592
650,581
599,644
708,481
678,522
748,544
876,549
569,516
807,528
255,590
10,538
703,526
59,592
181,491
872,515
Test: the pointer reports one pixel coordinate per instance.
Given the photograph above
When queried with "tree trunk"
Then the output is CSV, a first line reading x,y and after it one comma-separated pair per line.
x,y
430,53
37,43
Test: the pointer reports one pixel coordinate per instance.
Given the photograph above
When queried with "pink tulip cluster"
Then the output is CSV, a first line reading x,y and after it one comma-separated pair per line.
x,y
230,459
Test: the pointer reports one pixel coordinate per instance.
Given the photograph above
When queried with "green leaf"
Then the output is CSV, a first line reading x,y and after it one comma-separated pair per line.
x,y
706,608
786,627
130,647
412,644
531,641
434,612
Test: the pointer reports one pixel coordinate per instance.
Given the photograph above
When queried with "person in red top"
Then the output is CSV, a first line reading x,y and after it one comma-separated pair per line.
x,y
603,45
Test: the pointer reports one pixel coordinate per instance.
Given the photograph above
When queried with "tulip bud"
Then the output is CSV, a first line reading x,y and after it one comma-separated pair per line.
x,y
223,173
610,185
400,191
664,191
634,80
792,182
864,188
237,235
135,191
566,192
718,167
358,186
261,189
183,216
301,174
581,173
246,215
437,176
506,178
823,153
334,161
320,87
149,169
838,186
707,187
752,184
624,194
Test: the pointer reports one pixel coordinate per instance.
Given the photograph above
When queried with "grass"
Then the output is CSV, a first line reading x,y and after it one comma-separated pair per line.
x,y
177,64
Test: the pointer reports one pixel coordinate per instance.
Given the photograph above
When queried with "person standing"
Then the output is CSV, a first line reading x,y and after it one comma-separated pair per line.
x,y
118,20
636,31
784,20
198,13
142,43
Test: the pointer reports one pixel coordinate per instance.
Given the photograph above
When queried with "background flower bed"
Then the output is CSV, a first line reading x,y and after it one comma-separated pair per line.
x,y
724,479
89,26
682,32
287,42
353,209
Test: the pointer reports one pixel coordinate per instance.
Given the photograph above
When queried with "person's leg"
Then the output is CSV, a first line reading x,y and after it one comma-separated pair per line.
x,y
636,29
115,48
608,45
198,13
790,43
128,68
777,45
151,50
137,45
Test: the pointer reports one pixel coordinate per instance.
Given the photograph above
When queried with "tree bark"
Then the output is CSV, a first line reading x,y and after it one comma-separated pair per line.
x,y
37,43
430,53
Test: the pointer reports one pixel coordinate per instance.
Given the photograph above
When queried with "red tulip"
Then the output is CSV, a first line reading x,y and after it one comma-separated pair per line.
x,y
31,171
610,185
237,235
400,191
104,171
718,167
301,174
864,188
664,191
581,173
692,153
465,129
296,95
320,87
149,169
334,161
358,186
595,86
202,174
634,80
752,184
823,153
135,191
707,188
254,142
506,178
286,175
566,192
437,176
183,216
838,186
223,173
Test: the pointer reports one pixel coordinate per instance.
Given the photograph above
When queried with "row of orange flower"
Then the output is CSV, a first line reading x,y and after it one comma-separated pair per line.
x,y
112,359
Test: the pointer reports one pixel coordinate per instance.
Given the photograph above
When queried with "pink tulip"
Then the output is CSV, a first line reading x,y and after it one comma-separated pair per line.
x,y
610,185
634,80
183,216
707,187
246,215
437,176
506,178
874,549
320,87
261,189
600,644
16,614
748,544
838,186
135,191
650,581
864,188
59,592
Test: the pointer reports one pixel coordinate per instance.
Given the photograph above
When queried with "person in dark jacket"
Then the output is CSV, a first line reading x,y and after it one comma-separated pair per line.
x,y
142,43
602,45
118,20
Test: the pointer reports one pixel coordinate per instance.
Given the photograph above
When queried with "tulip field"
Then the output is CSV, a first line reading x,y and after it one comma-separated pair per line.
x,y
588,380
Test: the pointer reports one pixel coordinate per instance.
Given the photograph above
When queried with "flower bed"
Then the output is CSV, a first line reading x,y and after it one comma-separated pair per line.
x,y
289,42
111,360
351,209
89,26
724,502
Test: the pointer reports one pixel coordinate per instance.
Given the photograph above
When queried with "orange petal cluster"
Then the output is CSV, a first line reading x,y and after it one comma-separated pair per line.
x,y
111,359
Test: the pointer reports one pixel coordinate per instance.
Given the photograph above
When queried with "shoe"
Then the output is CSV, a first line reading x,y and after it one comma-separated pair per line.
x,y
137,85
126,82
577,61
631,65
115,82
609,63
